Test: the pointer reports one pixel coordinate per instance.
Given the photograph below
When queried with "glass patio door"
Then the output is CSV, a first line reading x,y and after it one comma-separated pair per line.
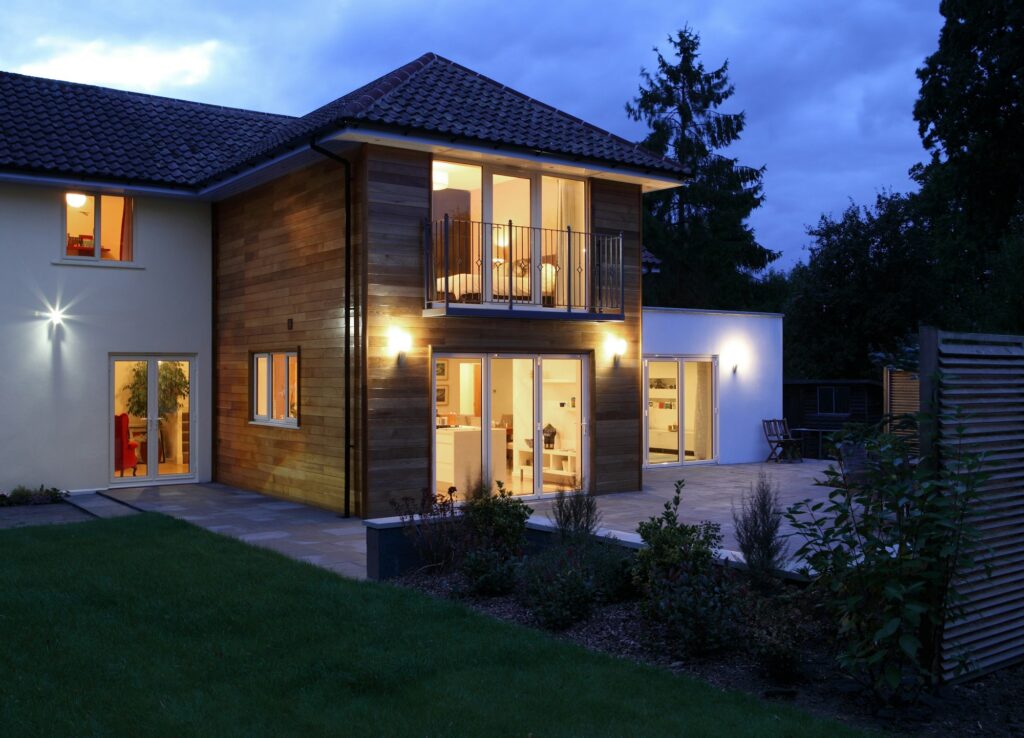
x,y
516,419
152,421
681,411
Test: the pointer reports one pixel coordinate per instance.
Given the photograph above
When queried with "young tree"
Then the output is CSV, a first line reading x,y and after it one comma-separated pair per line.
x,y
709,253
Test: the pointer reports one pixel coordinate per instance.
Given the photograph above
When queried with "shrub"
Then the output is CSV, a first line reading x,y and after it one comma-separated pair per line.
x,y
558,586
672,544
434,526
697,606
681,588
612,568
757,525
494,525
884,550
576,516
22,495
773,632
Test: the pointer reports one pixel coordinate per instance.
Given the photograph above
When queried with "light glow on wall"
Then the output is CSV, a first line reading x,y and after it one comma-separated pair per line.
x,y
736,355
399,342
615,347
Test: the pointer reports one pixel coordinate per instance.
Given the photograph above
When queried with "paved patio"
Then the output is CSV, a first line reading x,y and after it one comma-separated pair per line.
x,y
323,538
710,493
298,531
21,516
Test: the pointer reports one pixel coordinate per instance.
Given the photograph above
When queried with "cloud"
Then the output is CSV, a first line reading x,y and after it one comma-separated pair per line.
x,y
132,66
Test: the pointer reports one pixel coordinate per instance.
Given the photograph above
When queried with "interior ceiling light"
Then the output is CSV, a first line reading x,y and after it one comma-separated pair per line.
x,y
75,199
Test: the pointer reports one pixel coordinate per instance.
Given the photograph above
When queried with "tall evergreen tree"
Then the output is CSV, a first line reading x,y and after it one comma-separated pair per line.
x,y
709,252
970,114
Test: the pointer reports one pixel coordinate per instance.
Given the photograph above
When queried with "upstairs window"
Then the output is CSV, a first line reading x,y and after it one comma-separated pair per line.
x,y
833,400
97,227
275,383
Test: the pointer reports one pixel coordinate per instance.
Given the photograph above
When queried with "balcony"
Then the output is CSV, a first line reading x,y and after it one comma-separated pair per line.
x,y
505,270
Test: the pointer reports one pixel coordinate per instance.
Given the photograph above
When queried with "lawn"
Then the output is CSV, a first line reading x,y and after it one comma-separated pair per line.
x,y
148,625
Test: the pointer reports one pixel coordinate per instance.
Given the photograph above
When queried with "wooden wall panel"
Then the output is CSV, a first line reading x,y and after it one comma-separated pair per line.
x,y
279,256
399,412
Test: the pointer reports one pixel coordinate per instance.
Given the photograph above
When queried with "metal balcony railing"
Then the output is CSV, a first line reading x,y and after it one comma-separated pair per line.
x,y
502,265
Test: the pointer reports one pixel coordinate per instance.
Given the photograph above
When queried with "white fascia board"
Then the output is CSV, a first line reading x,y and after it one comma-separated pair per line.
x,y
107,188
546,162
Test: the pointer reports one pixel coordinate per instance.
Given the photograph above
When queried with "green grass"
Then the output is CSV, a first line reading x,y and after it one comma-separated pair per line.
x,y
150,626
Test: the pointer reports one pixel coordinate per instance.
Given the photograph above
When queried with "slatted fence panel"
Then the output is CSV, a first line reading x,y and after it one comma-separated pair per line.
x,y
982,376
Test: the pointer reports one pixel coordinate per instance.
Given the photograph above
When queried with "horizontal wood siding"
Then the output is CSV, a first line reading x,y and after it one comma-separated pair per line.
x,y
279,256
399,413
981,378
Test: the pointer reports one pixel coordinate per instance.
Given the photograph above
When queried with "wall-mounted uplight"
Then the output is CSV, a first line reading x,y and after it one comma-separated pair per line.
x,y
55,316
735,355
616,348
75,199
399,342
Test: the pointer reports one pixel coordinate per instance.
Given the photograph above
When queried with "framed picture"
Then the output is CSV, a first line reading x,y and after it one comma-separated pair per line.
x,y
441,368
442,395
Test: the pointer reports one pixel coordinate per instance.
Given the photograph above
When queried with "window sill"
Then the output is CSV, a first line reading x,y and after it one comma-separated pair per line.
x,y
272,424
97,263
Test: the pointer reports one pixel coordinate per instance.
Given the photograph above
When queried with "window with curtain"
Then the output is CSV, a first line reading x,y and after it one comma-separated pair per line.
x,y
275,387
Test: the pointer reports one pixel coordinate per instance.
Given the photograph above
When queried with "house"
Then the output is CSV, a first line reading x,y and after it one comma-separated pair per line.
x,y
431,281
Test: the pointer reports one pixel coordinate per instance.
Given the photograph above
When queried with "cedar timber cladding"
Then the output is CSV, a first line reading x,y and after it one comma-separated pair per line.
x,y
399,422
279,255
982,377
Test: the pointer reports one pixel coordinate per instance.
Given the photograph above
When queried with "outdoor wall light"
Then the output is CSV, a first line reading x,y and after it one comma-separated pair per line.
x,y
55,316
735,355
399,342
616,347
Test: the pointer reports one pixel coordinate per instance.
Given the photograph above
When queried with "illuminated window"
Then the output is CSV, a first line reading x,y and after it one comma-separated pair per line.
x,y
275,387
97,227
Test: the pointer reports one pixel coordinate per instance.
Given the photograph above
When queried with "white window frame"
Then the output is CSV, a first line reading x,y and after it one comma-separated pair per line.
x,y
487,172
269,419
96,259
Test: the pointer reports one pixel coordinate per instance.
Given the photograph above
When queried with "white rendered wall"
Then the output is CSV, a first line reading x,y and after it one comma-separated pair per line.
x,y
752,342
55,380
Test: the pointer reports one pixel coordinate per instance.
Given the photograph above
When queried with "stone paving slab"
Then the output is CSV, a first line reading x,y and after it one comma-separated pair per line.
x,y
298,531
99,506
20,516
710,492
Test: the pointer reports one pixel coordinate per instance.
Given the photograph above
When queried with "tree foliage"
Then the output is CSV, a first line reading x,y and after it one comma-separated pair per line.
x,y
700,232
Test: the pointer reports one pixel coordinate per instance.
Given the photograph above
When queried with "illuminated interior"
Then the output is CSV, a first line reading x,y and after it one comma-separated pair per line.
x,y
526,457
114,218
137,453
275,384
670,411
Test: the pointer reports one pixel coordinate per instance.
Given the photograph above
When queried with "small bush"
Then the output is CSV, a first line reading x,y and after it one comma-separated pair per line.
x,y
698,607
757,529
672,544
772,628
22,495
558,586
612,568
576,516
494,525
434,526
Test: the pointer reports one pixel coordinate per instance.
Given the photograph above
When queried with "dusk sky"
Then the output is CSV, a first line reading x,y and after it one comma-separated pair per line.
x,y
828,87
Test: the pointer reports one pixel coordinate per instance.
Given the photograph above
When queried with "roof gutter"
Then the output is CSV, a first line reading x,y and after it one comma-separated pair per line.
x,y
347,351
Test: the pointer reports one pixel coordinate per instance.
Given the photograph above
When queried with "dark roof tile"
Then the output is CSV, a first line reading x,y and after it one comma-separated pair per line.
x,y
62,128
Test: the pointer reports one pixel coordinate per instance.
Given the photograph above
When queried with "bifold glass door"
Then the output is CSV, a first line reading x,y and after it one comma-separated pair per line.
x,y
524,415
681,411
152,420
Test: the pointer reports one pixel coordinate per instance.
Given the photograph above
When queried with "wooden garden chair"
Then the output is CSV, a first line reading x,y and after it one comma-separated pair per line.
x,y
783,446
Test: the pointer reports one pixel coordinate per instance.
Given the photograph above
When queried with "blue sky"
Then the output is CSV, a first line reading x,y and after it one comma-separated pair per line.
x,y
828,87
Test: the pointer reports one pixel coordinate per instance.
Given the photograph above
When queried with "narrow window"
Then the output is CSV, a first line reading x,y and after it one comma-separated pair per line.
x,y
98,227
275,388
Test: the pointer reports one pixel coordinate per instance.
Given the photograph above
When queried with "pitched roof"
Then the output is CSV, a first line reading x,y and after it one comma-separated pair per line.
x,y
63,128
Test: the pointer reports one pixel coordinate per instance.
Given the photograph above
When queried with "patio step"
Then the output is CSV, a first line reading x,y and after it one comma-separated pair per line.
x,y
99,506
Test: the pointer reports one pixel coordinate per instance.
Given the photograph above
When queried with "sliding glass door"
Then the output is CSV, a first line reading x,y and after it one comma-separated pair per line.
x,y
151,419
681,410
524,426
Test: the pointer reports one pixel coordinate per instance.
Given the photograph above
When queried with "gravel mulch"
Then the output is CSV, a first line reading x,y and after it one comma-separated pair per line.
x,y
990,706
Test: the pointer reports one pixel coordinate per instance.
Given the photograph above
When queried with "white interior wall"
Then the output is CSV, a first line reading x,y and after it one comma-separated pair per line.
x,y
752,342
56,383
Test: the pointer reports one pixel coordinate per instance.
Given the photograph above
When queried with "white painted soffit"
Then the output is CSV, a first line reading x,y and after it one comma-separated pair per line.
x,y
650,182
